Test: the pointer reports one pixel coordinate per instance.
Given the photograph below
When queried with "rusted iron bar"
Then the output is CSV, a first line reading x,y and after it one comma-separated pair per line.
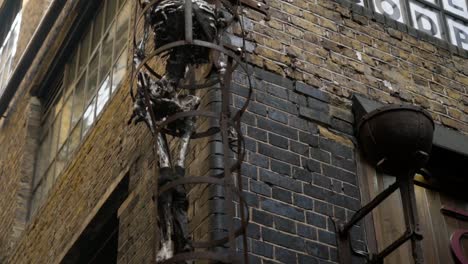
x,y
361,213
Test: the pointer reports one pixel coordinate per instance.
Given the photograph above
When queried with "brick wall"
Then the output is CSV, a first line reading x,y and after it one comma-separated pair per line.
x,y
300,168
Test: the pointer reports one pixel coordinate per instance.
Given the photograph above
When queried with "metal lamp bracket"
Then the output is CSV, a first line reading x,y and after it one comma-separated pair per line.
x,y
405,184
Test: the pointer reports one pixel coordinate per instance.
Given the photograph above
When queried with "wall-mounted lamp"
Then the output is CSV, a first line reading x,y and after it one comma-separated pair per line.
x,y
397,140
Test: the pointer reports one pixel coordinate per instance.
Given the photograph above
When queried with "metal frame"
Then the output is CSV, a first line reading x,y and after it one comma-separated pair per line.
x,y
227,120
405,184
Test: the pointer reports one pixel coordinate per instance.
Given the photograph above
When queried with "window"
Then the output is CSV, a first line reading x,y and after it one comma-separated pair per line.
x,y
92,74
8,40
442,19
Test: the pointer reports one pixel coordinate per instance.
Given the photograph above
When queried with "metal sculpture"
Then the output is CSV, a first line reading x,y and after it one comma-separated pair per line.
x,y
187,34
397,139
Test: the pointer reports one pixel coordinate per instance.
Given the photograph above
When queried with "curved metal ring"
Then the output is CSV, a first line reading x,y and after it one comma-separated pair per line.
x,y
195,42
217,181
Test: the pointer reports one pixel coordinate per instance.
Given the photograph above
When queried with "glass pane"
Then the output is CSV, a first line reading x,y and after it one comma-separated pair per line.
x,y
4,76
84,50
103,95
42,161
458,7
426,20
97,28
392,9
49,180
1,82
75,138
58,101
66,120
458,33
61,160
34,202
78,100
110,11
72,66
88,117
40,193
54,136
47,122
3,53
8,69
122,28
106,55
92,77
36,199
119,70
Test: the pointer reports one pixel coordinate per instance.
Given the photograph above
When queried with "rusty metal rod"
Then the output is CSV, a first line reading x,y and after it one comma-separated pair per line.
x,y
408,199
368,207
397,243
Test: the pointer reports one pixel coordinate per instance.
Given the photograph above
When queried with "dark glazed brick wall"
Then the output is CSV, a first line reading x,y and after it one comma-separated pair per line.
x,y
299,170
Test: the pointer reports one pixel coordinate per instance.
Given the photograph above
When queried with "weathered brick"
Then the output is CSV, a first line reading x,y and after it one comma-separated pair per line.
x,y
260,188
262,248
326,237
339,174
283,181
257,134
258,160
307,231
336,148
278,153
306,259
283,255
282,195
316,220
278,116
283,209
316,249
261,217
278,141
280,167
279,238
320,155
308,138
285,225
314,115
277,128
302,174
299,148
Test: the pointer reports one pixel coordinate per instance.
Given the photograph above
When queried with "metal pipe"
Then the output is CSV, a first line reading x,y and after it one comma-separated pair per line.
x,y
25,63
188,21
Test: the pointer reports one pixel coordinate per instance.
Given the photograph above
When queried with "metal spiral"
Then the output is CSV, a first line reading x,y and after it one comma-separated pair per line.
x,y
228,121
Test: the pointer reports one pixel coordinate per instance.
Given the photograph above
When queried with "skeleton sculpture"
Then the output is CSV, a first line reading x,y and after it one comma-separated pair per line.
x,y
166,21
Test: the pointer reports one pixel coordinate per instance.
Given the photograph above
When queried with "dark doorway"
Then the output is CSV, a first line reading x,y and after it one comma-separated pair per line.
x,y
99,242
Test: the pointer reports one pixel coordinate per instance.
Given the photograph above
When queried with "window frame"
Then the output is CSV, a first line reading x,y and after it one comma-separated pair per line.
x,y
9,36
57,100
437,7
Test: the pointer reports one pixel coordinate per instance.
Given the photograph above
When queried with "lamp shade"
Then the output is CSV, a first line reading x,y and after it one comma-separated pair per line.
x,y
397,139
